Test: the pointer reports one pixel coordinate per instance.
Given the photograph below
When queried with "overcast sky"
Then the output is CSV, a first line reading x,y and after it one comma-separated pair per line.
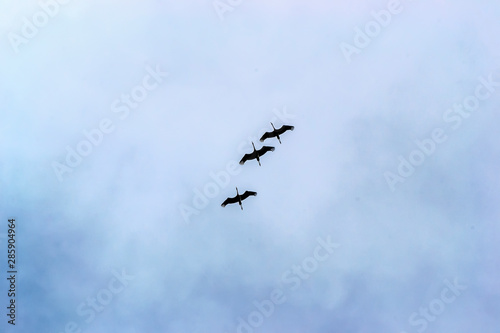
x,y
123,122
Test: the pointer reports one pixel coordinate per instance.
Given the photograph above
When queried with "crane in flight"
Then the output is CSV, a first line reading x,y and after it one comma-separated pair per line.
x,y
256,154
276,132
238,198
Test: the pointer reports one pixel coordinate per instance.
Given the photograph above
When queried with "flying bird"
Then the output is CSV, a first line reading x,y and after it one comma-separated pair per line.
x,y
238,198
276,132
256,154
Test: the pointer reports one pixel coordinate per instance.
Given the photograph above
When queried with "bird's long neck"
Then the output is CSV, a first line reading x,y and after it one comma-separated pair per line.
x,y
239,199
253,147
273,126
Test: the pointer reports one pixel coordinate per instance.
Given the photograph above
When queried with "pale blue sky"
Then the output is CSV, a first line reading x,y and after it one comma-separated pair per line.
x,y
119,211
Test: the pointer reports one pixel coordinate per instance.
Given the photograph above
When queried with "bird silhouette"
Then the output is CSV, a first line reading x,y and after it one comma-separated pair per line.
x,y
256,154
238,198
276,132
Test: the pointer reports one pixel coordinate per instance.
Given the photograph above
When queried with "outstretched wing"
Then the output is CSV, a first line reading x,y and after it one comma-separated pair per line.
x,y
265,149
229,201
247,157
267,135
247,194
285,128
